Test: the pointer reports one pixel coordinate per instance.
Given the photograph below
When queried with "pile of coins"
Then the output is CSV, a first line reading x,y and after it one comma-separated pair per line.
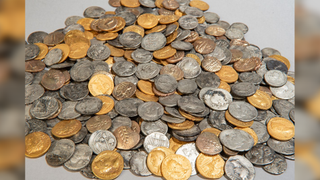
x,y
159,87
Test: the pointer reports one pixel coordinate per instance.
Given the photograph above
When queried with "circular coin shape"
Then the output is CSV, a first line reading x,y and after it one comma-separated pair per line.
x,y
243,89
124,90
32,93
124,68
176,167
126,137
260,100
130,40
166,83
239,167
204,46
150,111
80,159
100,84
278,166
102,140
138,164
128,107
98,52
208,143
107,165
60,152
217,99
102,122
281,128
260,155
37,144
205,163
190,67
243,111
153,42
147,21
155,158
275,78
236,140
66,128
36,37
53,80
44,108
89,105
31,51
164,53
191,104
237,122
251,132
286,91
188,22
227,74
207,79
211,64
155,140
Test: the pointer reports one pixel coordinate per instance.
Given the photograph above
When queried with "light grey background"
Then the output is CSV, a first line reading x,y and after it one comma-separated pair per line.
x,y
271,24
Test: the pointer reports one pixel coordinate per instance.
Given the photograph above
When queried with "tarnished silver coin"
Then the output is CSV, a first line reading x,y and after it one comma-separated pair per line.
x,y
170,29
141,56
130,40
80,158
251,77
183,34
138,164
277,65
81,71
32,93
282,147
44,108
262,70
28,78
208,79
278,166
128,107
292,114
238,167
87,171
124,68
170,101
261,130
151,127
187,86
37,125
244,28
53,57
147,3
181,45
234,33
193,11
236,139
102,140
184,138
36,37
153,41
243,111
286,91
211,17
52,122
26,128
72,20
166,83
72,27
275,78
79,137
172,119
243,89
128,16
31,51
94,12
191,153
208,143
260,155
217,99
266,52
252,51
188,22
89,105
147,71
204,124
154,140
99,66
193,131
150,111
191,104
217,120
68,110
127,155
60,152
133,79
98,52
75,91
120,121
283,107
173,112
190,67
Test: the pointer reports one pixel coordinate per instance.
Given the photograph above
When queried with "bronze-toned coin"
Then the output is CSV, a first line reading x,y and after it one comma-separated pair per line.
x,y
227,74
100,122
211,64
126,137
146,87
208,143
53,38
215,30
43,51
246,65
204,45
236,55
107,24
164,53
212,130
172,70
114,3
36,144
192,37
170,4
124,90
53,80
181,126
135,127
146,97
177,57
34,66
66,128
107,105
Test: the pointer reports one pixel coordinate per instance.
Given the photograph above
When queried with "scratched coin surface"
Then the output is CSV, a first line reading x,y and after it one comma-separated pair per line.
x,y
243,111
60,152
126,137
102,140
80,159
239,167
278,166
138,164
260,155
208,143
236,140
100,122
154,140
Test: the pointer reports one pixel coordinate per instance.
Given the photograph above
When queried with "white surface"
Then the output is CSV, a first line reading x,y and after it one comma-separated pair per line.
x,y
271,24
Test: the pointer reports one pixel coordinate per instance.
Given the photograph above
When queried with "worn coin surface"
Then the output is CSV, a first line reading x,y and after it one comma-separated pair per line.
x,y
208,143
191,104
80,158
278,166
68,111
260,155
124,90
102,140
138,164
283,108
154,41
37,144
100,84
53,80
261,130
155,158
107,165
205,163
124,68
166,83
275,78
154,140
74,91
66,128
98,52
147,71
60,152
191,153
89,105
243,89
32,93
128,107
44,108
236,139
243,111
150,111
238,167
282,147
154,126
126,137
100,122
217,99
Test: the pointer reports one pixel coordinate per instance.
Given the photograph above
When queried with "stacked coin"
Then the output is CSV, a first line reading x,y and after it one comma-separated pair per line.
x,y
158,87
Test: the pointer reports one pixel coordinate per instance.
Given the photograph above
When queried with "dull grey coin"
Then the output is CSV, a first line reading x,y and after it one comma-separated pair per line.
x,y
38,76
151,127
238,167
234,33
36,37
147,3
126,155
217,99
120,121
53,57
217,120
201,29
218,53
181,45
60,152
172,119
72,20
292,115
115,42
141,56
173,112
262,69
170,101
277,65
94,12
204,124
27,115
203,91
260,155
243,111
31,51
75,91
188,22
44,108
128,107
102,140
224,24
98,52
266,52
290,157
184,34
37,125
80,158
275,78
283,107
194,131
89,105
68,111
184,138
150,111
208,79
282,147
262,115
128,16
147,71
211,17
270,115
28,78
190,67
130,40
32,93
251,77
133,79
228,56
193,11
153,41
54,94
187,86
66,64
83,118
26,128
79,137
278,166
138,164
170,29
140,143
208,143
73,27
191,153
236,139
252,51
243,89
81,71
191,104
286,91
261,130
87,171
166,83
155,140
124,68
99,66
203,113
244,28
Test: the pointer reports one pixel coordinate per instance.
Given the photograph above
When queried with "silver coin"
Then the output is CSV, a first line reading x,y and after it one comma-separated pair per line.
x,y
181,45
133,79
68,110
275,78
204,124
66,64
94,12
126,155
243,89
147,71
166,83
217,120
138,164
277,65
266,52
81,71
141,56
252,51
290,157
170,29
73,27
88,106
187,86
32,93
75,91
26,128
79,137
128,107
153,41
191,104
286,91
27,115
60,152
87,171
102,140
238,167
170,101
292,114
128,16
173,112
193,11
172,119
283,107
31,51
150,111
188,22
243,111
100,66
44,108
278,166
37,125
208,79
28,78
203,91
218,53
236,139
154,140
124,68
217,99
36,37
260,155
184,34
190,67
261,130
270,115
72,20
53,57
241,26
130,40
193,131
98,52
148,3
151,127
251,77
185,138
262,69
211,17
234,33
80,158
282,147
120,121
191,153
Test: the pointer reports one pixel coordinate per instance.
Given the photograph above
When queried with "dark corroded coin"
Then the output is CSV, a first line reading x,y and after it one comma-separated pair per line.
x,y
80,158
261,130
68,111
53,57
243,111
237,140
173,112
81,71
209,143
260,155
194,131
31,51
251,77
120,121
262,115
94,12
26,128
75,91
36,37
153,41
32,93
37,125
128,107
217,99
166,83
184,138
155,126
124,90
44,107
138,164
133,79
278,166
102,140
239,167
292,114
124,68
130,40
77,138
101,122
188,22
191,104
283,107
147,71
170,101
150,111
277,65
282,147
187,86
99,52
208,79
142,56
100,66
53,79
34,66
89,105
60,152
53,38
244,89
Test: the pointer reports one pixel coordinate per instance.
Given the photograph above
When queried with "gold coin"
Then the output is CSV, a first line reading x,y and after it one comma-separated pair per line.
x,y
164,62
36,144
211,167
65,51
168,19
130,3
195,57
158,3
121,23
155,158
291,79
147,21
212,130
227,74
199,4
175,144
260,100
107,165
107,105
201,20
189,116
159,28
86,22
107,36
164,53
78,50
100,84
215,30
146,97
251,132
176,167
172,37
66,128
237,122
274,98
181,126
43,51
281,128
127,54
225,86
146,87
115,52
134,28
89,35
179,13
281,59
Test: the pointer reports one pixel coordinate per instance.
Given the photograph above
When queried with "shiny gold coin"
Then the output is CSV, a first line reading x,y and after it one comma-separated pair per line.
x,y
158,28
107,36
78,50
146,97
175,144
227,74
130,3
212,130
172,37
291,79
176,167
215,30
89,35
100,84
164,53
155,158
65,51
85,22
211,167
121,23
189,116
73,34
179,13
199,4
134,28
115,52
158,3
36,144
237,122
107,165
146,87
251,132
281,59
164,62
147,21
43,51
225,86
66,128
201,20
260,100
127,54
110,12
181,126
195,57
107,105
168,19
281,129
